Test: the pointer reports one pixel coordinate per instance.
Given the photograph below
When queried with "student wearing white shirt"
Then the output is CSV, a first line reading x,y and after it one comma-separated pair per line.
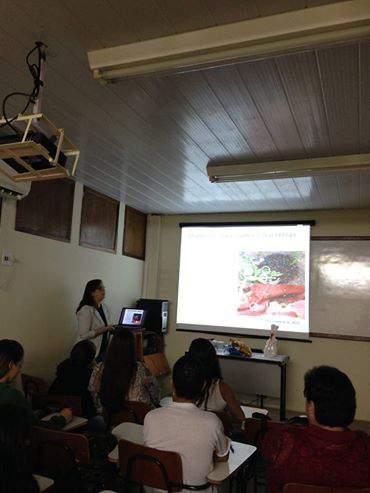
x,y
93,318
196,435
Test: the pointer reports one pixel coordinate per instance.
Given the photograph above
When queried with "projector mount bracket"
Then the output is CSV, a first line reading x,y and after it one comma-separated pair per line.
x,y
37,150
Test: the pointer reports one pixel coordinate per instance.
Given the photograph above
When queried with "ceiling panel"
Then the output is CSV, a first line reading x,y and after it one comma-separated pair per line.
x,y
227,11
310,192
187,15
349,189
264,84
364,189
267,7
232,93
364,88
173,104
317,3
339,72
115,22
329,191
148,141
300,78
199,94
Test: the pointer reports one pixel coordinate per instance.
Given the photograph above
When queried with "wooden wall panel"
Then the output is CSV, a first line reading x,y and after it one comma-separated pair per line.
x,y
134,235
47,210
99,221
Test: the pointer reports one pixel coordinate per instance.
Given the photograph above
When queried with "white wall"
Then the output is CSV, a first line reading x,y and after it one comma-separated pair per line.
x,y
38,296
353,357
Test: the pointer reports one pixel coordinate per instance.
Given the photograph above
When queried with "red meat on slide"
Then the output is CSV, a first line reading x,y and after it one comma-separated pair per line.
x,y
259,296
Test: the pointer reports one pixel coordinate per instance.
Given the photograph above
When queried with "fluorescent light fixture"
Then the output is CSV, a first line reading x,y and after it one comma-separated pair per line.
x,y
230,43
228,172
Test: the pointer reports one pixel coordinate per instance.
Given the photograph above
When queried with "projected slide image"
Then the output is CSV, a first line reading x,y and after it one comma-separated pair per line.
x,y
242,279
272,284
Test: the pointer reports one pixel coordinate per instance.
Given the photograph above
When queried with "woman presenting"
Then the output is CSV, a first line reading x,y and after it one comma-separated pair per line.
x,y
93,317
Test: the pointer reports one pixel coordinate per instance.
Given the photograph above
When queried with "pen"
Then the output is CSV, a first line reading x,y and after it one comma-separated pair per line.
x,y
231,448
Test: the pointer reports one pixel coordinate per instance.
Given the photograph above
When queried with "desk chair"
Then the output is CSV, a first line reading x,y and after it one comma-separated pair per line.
x,y
57,452
305,488
61,456
33,385
133,412
41,401
65,457
154,468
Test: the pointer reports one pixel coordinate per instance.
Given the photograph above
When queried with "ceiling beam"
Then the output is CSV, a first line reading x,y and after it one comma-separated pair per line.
x,y
250,39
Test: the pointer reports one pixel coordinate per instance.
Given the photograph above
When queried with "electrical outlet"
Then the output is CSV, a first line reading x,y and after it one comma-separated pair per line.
x,y
7,259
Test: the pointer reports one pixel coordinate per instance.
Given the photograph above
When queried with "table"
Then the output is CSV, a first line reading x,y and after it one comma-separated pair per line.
x,y
237,459
247,410
74,424
222,470
129,431
238,373
43,482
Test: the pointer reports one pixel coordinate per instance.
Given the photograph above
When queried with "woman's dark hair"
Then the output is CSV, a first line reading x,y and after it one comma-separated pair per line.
x,y
10,352
333,394
203,351
87,298
119,370
83,353
15,464
188,378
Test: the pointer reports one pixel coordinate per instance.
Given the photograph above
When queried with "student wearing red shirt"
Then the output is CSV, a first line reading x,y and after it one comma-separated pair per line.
x,y
326,453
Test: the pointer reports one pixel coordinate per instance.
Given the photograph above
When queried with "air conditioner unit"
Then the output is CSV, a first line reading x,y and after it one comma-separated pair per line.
x,y
12,189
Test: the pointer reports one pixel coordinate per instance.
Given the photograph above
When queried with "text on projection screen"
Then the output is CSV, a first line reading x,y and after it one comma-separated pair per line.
x,y
242,279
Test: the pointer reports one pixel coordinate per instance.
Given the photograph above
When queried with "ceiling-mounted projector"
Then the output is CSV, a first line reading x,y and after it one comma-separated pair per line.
x,y
38,151
32,148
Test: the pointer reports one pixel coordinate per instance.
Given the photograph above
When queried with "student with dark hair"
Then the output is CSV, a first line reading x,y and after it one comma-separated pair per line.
x,y
15,464
196,435
93,318
216,395
73,376
124,378
326,452
11,360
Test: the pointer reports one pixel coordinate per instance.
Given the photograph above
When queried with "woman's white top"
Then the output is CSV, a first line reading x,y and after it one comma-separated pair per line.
x,y
89,321
215,400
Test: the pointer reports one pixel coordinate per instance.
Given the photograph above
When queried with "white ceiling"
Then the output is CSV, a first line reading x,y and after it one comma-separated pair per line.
x,y
148,141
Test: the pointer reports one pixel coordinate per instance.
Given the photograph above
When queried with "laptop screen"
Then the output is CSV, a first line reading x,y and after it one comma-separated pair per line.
x,y
132,317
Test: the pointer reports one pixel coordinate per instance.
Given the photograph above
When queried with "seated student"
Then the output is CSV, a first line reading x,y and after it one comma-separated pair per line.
x,y
124,378
11,360
196,435
73,376
326,452
216,395
15,464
